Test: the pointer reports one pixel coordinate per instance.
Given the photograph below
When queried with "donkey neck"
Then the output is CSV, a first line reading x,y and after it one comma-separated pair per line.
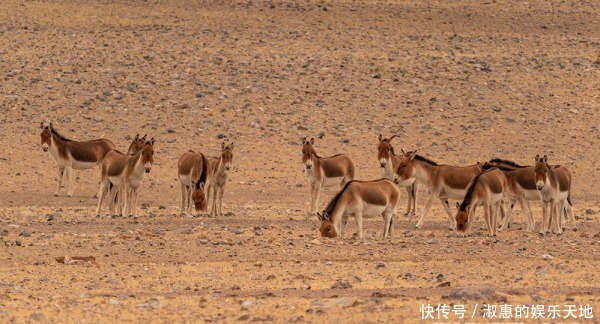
x,y
390,166
424,171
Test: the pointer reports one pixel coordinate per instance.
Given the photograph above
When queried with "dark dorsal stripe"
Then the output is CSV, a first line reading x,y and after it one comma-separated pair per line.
x,y
62,138
426,160
331,206
487,166
203,173
469,195
506,163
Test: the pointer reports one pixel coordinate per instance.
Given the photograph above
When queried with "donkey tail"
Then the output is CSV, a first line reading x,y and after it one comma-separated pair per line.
x,y
204,173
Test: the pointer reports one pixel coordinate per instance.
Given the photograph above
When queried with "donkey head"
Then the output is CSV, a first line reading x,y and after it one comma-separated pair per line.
x,y
541,169
148,154
227,155
46,136
199,197
327,228
384,148
405,173
462,218
307,152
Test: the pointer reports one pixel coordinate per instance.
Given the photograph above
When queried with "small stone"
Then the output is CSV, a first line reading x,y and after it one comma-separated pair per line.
x,y
25,234
200,95
432,241
321,135
301,128
379,264
341,284
547,257
184,231
203,242
238,231
497,109
220,136
574,111
346,141
170,130
18,243
377,76
590,211
38,317
440,277
248,303
4,232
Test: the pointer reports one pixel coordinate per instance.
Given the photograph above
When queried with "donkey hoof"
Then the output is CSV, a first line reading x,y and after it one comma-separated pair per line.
x,y
56,194
574,229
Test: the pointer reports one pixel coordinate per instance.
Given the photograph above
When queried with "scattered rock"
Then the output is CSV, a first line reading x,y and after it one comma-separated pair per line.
x,y
432,241
248,303
200,95
170,130
341,284
379,264
37,316
184,231
238,231
328,304
90,260
547,257
25,234
480,292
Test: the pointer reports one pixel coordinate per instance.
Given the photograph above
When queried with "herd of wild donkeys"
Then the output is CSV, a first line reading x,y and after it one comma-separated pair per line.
x,y
488,184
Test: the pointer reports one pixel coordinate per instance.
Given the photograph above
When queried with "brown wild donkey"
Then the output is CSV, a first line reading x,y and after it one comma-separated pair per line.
x,y
443,181
487,188
111,179
219,172
137,166
70,154
360,199
193,170
389,161
324,171
554,186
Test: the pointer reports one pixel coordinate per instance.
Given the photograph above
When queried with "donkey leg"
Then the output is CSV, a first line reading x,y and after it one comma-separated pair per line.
x,y
558,214
544,217
487,215
414,189
449,212
425,210
61,173
387,223
113,193
506,220
221,192
409,192
69,171
213,207
183,198
102,191
134,197
569,209
316,198
359,224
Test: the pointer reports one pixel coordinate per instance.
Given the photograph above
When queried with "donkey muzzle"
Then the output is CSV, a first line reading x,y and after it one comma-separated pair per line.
x,y
45,147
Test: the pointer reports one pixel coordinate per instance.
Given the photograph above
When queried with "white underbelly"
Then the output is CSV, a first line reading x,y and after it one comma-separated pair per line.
x,y
367,210
330,182
494,198
531,194
451,193
78,165
562,195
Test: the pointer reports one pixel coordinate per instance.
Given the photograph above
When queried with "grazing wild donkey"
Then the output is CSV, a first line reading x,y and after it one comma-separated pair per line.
x,y
487,188
193,170
324,171
389,161
111,179
137,166
70,154
443,181
219,172
554,186
360,199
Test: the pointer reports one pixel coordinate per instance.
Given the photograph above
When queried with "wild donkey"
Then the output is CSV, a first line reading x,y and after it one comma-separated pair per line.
x,y
389,161
219,172
137,166
70,154
360,199
324,171
554,186
442,181
193,170
487,188
111,179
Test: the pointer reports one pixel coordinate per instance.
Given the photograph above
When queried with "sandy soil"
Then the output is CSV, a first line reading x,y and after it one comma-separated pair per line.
x,y
460,81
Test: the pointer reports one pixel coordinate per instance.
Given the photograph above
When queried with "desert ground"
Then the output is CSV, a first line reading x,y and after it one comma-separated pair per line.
x,y
459,81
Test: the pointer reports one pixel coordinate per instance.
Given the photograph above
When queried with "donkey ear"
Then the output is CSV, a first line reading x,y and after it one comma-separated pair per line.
x,y
152,141
231,145
42,125
320,216
303,140
144,136
222,145
537,158
137,136
545,159
391,138
457,205
412,156
380,138
312,141
403,153
50,126
201,185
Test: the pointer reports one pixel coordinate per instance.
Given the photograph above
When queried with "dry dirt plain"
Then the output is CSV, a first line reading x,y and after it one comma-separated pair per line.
x,y
461,81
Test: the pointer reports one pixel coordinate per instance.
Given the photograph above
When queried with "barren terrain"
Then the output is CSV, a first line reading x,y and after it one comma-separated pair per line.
x,y
460,81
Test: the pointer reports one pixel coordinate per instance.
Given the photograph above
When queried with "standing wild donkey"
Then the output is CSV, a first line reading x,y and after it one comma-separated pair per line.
x,y
137,166
443,181
360,199
324,171
193,170
487,188
389,161
554,186
219,172
112,171
70,154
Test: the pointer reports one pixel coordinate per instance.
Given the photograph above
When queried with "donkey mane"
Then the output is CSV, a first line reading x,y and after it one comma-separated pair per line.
x,y
487,165
204,172
62,138
331,206
506,162
469,195
426,160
